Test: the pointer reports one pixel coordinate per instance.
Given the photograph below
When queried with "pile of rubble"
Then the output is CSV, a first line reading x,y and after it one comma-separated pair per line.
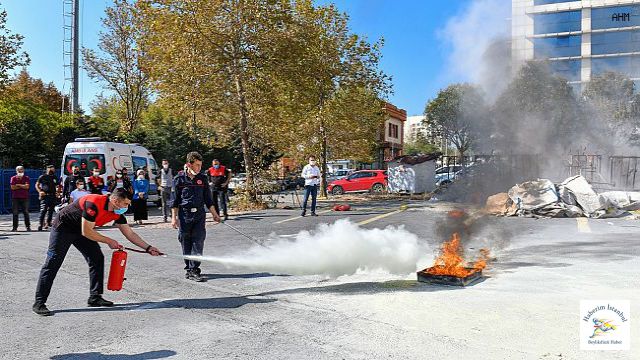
x,y
574,197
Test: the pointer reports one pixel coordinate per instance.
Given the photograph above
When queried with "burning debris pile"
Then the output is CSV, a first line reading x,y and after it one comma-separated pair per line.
x,y
574,197
451,267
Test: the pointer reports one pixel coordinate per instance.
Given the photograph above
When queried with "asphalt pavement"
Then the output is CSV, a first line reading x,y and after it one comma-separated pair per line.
x,y
526,306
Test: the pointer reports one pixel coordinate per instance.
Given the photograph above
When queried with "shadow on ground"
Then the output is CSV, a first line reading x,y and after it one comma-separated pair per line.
x,y
359,288
149,355
240,276
615,249
202,304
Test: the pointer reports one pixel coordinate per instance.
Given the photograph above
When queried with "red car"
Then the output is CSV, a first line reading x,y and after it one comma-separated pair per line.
x,y
363,180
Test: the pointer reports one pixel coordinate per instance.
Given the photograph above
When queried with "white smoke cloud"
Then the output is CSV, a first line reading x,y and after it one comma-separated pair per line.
x,y
471,35
341,248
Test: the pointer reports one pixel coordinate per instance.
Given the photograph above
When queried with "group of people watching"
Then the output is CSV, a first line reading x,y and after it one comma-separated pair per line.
x,y
55,194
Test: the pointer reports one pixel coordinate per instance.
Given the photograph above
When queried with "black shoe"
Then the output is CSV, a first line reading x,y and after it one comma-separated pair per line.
x,y
187,274
41,309
196,277
28,229
40,228
226,217
303,214
98,301
165,220
14,230
314,214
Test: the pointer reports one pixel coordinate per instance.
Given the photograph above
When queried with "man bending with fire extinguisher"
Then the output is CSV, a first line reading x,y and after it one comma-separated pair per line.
x,y
76,225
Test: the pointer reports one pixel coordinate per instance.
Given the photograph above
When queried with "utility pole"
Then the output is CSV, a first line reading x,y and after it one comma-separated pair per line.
x,y
75,65
71,51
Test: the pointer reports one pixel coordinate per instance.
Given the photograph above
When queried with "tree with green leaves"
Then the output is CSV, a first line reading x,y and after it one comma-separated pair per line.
x,y
457,113
117,63
219,61
610,99
338,90
537,113
419,146
11,56
24,87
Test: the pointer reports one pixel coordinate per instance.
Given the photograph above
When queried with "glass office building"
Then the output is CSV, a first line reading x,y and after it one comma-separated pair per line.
x,y
580,39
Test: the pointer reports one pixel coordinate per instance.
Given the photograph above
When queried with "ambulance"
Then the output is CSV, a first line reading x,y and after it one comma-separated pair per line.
x,y
93,153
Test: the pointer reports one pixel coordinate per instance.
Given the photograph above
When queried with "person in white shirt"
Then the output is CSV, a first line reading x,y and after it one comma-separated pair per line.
x,y
79,192
311,175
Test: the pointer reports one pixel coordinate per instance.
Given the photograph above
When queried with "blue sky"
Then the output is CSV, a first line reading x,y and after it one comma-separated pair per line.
x,y
415,54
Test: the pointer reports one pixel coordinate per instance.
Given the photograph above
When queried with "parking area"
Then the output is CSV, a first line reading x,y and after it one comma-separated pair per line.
x,y
526,307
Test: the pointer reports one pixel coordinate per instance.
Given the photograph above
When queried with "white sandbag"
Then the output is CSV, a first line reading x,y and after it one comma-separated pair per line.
x,y
619,200
584,194
535,194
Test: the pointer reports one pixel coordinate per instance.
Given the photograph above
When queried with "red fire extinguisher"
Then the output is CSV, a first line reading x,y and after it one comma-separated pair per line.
x,y
116,273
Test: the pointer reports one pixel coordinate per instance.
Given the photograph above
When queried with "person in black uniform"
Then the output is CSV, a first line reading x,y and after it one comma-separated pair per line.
x,y
76,225
47,186
188,212
70,182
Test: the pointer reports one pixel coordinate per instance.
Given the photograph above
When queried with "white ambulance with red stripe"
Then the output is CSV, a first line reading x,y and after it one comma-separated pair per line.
x,y
93,153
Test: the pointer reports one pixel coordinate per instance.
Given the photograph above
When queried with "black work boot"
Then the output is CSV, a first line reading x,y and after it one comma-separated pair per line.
x,y
304,212
41,309
98,301
195,276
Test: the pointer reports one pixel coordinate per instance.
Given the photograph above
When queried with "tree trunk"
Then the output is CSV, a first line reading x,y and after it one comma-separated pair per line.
x,y
244,135
323,161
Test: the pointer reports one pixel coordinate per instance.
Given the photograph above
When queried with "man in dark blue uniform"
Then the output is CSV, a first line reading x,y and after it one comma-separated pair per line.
x,y
188,214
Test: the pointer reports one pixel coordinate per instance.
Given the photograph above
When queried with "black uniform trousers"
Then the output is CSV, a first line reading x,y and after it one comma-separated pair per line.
x,y
191,235
47,205
59,244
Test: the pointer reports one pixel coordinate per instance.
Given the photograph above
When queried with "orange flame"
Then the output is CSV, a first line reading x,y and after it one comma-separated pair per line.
x,y
452,263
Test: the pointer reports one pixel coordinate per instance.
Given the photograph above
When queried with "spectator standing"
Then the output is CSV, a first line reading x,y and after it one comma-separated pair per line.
x,y
140,194
311,175
71,181
47,186
218,176
166,188
79,192
96,183
20,197
127,184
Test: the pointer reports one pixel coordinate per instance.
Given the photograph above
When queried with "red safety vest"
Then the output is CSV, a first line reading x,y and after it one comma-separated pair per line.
x,y
221,171
103,215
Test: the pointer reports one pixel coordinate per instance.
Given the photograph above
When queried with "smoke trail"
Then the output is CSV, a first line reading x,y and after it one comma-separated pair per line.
x,y
342,248
478,39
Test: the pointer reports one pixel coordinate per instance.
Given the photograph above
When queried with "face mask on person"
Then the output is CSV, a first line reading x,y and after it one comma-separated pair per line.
x,y
96,173
80,187
20,174
118,176
120,211
140,177
191,171
165,166
216,166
